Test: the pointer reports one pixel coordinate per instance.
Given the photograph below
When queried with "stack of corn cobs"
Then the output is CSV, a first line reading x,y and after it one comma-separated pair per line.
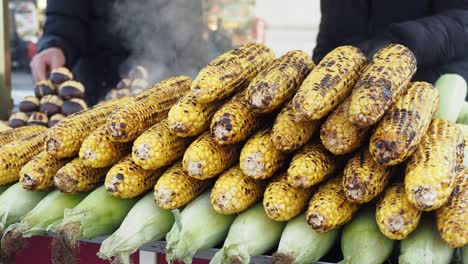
x,y
322,140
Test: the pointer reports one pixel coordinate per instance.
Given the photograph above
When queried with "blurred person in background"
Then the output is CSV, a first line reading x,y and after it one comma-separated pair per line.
x,y
435,30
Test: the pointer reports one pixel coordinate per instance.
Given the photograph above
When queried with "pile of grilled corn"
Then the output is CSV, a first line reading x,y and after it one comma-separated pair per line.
x,y
321,139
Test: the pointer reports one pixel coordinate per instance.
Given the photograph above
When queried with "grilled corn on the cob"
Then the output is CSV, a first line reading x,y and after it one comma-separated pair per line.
x,y
11,135
75,177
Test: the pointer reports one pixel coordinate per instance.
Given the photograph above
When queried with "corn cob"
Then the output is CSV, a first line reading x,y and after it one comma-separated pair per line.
x,y
234,191
278,83
259,159
381,83
127,180
282,201
339,135
364,178
329,208
158,147
329,83
65,138
11,135
205,159
98,151
234,121
17,153
38,174
401,129
311,165
189,118
146,109
289,134
175,188
396,216
452,218
431,170
231,71
75,177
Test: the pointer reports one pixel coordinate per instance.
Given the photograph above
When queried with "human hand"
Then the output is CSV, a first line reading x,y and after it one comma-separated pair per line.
x,y
45,61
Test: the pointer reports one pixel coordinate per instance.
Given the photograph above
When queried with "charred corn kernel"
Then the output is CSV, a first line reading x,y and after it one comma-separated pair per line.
x,y
288,134
38,174
278,83
175,188
401,129
381,83
431,170
205,159
189,118
234,121
17,153
396,216
329,208
452,218
329,83
127,180
234,191
259,159
311,165
231,71
65,138
158,147
11,135
282,201
339,135
364,178
146,108
75,177
98,151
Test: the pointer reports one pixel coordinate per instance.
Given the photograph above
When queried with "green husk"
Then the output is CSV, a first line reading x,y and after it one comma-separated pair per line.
x,y
362,242
197,227
98,214
452,92
463,116
464,254
252,233
424,245
144,223
300,244
4,188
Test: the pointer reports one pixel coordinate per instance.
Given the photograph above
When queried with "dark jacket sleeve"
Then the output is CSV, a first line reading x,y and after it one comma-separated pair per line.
x,y
66,28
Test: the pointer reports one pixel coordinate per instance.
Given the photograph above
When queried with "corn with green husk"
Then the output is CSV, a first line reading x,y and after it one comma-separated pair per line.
x,y
198,227
175,188
158,147
259,159
4,188
144,223
47,213
230,71
98,214
362,242
311,165
301,245
464,254
252,233
234,192
38,174
11,135
75,177
424,245
282,201
278,83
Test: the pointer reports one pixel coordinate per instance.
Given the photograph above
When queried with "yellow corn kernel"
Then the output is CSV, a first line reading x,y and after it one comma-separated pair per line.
x,y
231,71
11,135
311,165
431,170
282,201
259,159
158,147
146,108
278,83
175,188
75,177
329,83
234,191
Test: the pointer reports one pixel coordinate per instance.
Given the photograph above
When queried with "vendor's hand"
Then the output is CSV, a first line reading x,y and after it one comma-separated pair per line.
x,y
45,61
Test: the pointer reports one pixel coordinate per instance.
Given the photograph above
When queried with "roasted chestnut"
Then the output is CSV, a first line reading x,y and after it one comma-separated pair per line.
x,y
38,118
51,105
74,105
55,119
29,104
60,75
43,88
18,119
138,72
71,89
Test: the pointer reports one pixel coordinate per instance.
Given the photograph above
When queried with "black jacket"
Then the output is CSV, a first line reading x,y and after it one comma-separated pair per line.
x,y
435,30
